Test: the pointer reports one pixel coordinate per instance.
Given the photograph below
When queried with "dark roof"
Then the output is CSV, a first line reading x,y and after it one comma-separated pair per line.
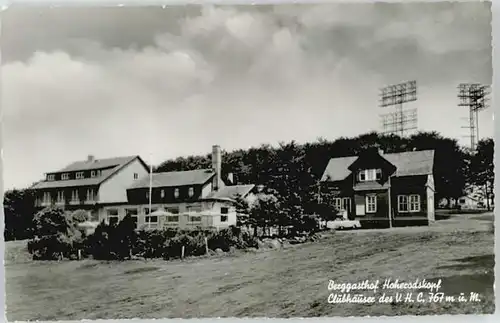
x,y
96,164
229,193
114,165
411,163
170,179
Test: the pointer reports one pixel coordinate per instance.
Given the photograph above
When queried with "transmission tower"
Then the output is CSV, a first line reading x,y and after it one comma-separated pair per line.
x,y
401,120
474,97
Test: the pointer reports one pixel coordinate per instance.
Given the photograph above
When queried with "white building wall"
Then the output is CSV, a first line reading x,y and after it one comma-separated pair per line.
x,y
114,190
207,189
210,215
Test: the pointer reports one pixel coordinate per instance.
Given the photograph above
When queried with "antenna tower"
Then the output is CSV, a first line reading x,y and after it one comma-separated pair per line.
x,y
474,97
401,120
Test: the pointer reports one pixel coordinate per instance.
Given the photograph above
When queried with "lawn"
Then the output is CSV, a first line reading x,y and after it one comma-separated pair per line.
x,y
290,282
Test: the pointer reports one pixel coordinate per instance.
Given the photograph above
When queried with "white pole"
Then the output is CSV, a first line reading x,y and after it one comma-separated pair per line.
x,y
150,187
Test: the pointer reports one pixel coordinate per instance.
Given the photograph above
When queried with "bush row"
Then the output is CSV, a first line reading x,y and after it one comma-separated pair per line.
x,y
57,238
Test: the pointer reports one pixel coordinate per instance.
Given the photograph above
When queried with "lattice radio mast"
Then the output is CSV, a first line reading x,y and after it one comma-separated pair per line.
x,y
473,96
401,120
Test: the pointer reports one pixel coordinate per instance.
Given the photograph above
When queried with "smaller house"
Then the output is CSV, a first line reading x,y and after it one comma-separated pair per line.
x,y
182,199
383,189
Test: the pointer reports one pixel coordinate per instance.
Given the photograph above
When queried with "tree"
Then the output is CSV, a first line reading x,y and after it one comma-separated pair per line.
x,y
450,163
326,208
263,212
242,210
19,210
482,169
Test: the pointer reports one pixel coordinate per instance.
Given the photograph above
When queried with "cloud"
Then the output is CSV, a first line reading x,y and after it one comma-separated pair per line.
x,y
236,76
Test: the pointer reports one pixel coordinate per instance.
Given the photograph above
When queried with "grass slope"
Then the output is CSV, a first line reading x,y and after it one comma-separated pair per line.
x,y
290,282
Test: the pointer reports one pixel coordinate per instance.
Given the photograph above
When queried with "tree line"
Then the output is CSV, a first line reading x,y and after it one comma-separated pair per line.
x,y
291,172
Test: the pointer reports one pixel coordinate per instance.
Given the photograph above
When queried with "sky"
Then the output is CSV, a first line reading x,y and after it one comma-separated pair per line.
x,y
163,83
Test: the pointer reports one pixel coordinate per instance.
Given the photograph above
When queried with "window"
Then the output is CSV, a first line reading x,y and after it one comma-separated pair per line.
x,y
152,219
79,175
224,210
415,203
162,193
90,195
408,203
136,176
402,203
113,216
191,192
193,208
223,218
346,204
74,196
146,210
173,218
50,177
98,173
173,210
60,197
46,197
461,201
176,193
371,203
337,203
195,218
92,173
369,175
65,176
131,212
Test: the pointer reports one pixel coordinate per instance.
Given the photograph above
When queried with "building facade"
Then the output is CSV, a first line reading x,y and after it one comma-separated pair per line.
x,y
182,199
90,185
383,189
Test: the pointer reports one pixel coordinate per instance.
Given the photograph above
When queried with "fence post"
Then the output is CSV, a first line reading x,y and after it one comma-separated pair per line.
x,y
182,252
206,245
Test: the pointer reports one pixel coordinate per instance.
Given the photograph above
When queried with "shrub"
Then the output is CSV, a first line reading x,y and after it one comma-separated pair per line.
x,y
113,241
56,236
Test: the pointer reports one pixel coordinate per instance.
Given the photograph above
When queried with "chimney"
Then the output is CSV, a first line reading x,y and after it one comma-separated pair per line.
x,y
230,178
90,158
216,166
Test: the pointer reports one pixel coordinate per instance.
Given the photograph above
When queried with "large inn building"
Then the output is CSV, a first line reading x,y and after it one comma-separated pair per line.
x,y
111,188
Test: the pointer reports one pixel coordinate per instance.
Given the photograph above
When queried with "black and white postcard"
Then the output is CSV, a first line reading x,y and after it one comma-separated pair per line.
x,y
272,161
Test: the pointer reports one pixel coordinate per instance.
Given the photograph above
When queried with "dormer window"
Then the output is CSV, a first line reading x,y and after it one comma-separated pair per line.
x,y
176,193
65,176
79,175
370,175
50,177
191,192
92,173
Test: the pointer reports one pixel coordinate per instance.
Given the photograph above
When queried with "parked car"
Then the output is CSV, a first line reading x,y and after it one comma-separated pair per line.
x,y
340,224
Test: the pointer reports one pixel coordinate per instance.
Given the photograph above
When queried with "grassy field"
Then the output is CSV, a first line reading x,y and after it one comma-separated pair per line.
x,y
290,282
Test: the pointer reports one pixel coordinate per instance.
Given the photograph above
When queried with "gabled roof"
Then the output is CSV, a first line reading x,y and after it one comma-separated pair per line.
x,y
229,193
113,165
170,179
411,163
96,164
